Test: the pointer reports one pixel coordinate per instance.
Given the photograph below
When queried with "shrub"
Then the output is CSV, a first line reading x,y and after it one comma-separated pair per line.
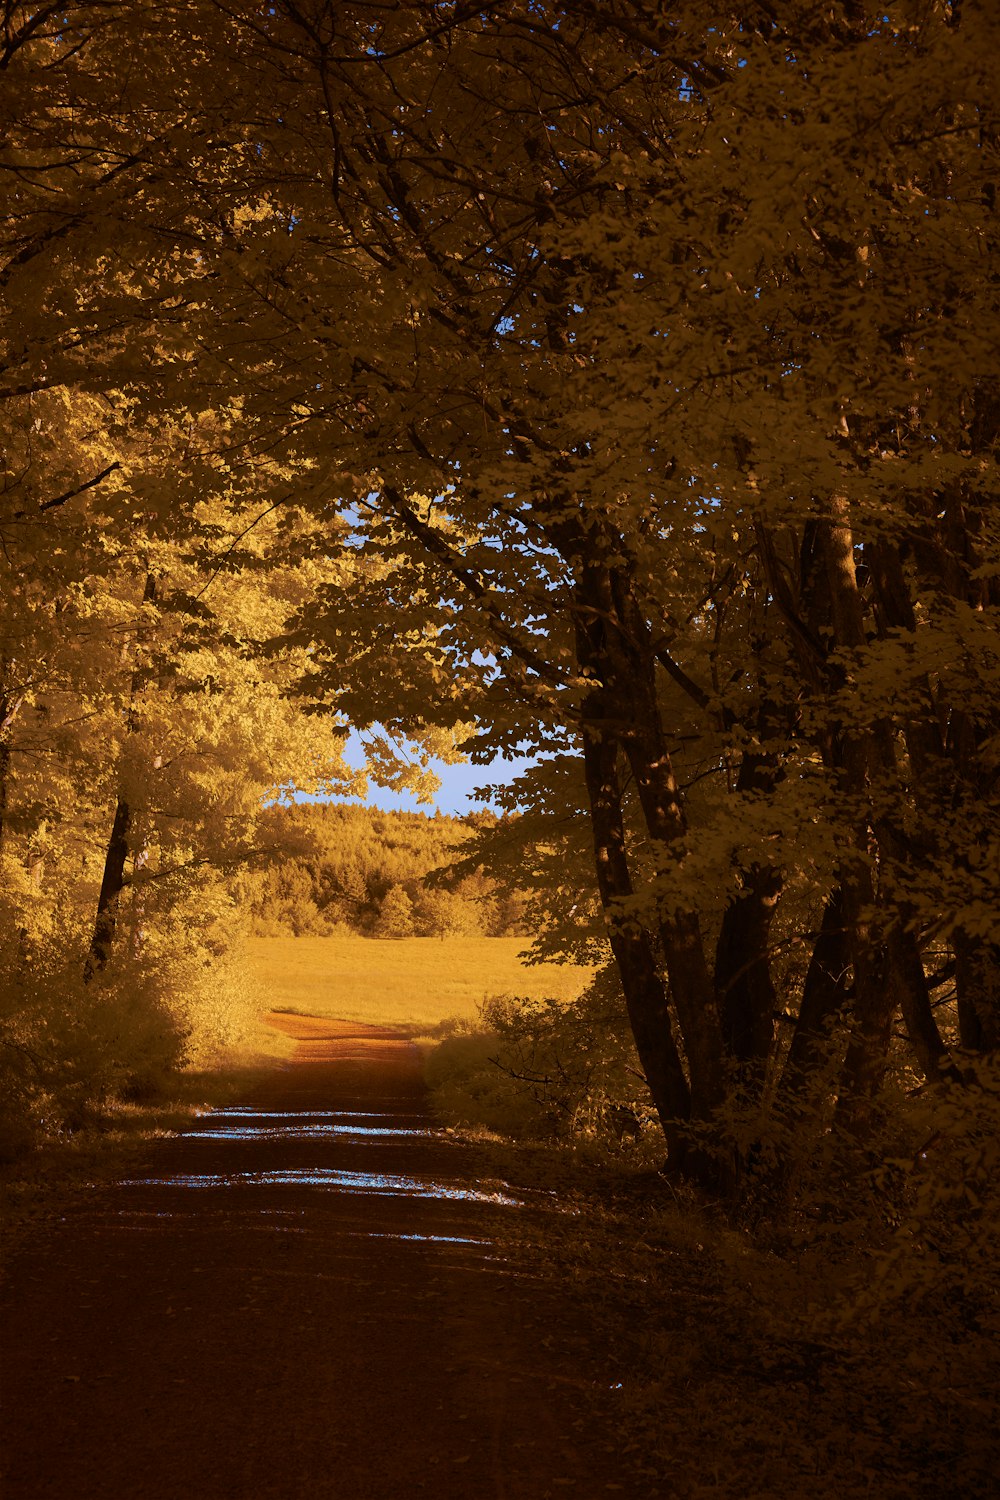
x,y
221,1004
546,1069
67,1048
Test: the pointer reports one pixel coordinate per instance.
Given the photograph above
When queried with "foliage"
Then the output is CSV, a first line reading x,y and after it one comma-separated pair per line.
x,y
733,1368
945,1213
68,1050
142,723
395,918
328,866
606,382
539,1067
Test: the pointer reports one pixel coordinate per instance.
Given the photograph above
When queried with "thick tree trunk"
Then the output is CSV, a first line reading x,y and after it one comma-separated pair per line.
x,y
645,997
626,661
875,1004
691,986
112,885
824,997
746,995
862,750
950,555
4,779
907,977
977,979
929,777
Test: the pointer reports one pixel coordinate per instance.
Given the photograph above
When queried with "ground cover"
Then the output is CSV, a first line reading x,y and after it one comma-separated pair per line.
x,y
753,1369
412,982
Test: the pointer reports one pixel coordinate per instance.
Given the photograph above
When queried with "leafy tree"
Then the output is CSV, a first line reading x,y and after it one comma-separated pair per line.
x,y
395,918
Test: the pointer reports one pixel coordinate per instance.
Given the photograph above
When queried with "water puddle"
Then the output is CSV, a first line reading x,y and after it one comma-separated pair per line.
x,y
429,1239
238,1131
142,1218
250,1112
333,1180
243,1123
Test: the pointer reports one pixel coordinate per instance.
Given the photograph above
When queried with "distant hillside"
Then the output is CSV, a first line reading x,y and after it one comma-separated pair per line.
x,y
327,867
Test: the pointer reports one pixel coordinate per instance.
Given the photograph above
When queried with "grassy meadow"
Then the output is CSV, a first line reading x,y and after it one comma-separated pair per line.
x,y
413,982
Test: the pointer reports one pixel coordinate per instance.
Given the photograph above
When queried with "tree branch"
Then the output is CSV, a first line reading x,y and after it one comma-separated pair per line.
x,y
72,494
432,540
235,543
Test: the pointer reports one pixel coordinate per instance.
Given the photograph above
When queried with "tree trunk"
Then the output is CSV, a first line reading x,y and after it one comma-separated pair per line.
x,y
950,557
907,977
9,710
691,987
861,750
626,662
112,885
116,855
645,997
4,778
824,997
746,995
977,979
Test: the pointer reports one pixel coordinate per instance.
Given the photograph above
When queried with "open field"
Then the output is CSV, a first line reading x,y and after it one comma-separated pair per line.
x,y
414,982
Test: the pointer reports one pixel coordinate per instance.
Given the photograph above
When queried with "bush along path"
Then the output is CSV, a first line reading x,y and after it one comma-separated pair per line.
x,y
301,1296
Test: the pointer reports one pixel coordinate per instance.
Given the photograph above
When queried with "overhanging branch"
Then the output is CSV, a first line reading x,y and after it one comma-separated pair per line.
x,y
432,540
72,494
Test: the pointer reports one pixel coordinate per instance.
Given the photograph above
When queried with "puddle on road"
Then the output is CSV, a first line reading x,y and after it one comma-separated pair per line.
x,y
333,1180
246,1124
246,1132
428,1239
142,1217
248,1112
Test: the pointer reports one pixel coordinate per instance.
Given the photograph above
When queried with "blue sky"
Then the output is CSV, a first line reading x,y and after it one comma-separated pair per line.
x,y
457,785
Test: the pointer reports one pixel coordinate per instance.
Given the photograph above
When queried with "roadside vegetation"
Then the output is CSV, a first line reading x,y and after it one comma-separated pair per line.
x,y
832,1334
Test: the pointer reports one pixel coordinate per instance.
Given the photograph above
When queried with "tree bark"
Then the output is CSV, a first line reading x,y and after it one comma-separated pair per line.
x,y
9,710
861,751
824,997
628,662
746,995
907,977
116,855
645,997
112,885
4,778
977,979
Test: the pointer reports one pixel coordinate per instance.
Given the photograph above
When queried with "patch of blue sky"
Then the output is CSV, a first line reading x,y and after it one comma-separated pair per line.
x,y
459,793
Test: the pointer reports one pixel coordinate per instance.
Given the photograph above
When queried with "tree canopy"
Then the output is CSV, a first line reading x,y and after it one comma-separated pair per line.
x,y
610,380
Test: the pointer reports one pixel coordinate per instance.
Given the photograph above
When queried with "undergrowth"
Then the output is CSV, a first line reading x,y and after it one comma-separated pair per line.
x,y
738,1367
836,1340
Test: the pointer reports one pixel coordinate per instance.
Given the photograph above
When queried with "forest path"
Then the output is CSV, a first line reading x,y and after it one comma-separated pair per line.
x,y
299,1297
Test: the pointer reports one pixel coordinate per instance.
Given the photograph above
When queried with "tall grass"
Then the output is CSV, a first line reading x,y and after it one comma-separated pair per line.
x,y
413,982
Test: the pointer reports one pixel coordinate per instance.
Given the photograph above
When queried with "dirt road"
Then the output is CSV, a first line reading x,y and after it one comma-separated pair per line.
x,y
300,1297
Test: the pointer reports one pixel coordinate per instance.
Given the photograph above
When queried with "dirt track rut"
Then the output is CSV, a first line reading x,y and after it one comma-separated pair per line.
x,y
299,1297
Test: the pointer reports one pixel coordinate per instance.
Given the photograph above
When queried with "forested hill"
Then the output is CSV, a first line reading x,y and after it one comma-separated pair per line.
x,y
327,866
